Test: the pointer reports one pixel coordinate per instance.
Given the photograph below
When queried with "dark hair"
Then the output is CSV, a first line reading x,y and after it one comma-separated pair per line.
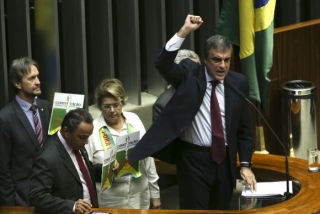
x,y
216,42
19,68
74,117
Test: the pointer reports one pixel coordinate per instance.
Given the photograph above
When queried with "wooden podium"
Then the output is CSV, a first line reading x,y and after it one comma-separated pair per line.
x,y
306,200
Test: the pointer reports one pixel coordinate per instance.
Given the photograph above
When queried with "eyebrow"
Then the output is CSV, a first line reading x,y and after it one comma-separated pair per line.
x,y
216,57
220,59
110,103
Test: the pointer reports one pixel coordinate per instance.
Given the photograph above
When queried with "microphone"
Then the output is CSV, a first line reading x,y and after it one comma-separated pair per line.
x,y
287,194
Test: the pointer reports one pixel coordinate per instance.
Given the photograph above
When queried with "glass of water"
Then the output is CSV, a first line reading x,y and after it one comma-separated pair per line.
x,y
313,160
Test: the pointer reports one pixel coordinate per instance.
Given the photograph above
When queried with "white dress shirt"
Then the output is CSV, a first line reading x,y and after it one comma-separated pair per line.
x,y
200,130
86,195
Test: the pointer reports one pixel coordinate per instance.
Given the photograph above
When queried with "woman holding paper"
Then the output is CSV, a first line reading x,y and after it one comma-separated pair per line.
x,y
131,184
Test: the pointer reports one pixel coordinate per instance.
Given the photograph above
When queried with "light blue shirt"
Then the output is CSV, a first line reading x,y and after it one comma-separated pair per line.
x,y
26,108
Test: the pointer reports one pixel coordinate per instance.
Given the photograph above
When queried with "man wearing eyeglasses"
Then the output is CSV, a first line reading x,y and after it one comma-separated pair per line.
x,y
204,125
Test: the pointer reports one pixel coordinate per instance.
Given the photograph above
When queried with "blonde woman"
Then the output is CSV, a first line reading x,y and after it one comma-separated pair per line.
x,y
138,192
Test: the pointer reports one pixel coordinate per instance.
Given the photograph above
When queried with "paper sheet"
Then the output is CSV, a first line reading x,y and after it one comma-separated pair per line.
x,y
267,189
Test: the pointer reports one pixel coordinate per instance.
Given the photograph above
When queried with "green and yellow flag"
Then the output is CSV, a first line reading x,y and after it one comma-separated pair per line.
x,y
249,24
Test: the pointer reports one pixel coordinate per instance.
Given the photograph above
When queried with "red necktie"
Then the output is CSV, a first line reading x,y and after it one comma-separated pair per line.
x,y
218,144
87,178
37,125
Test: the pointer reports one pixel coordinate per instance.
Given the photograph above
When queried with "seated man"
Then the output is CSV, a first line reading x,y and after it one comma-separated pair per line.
x,y
62,180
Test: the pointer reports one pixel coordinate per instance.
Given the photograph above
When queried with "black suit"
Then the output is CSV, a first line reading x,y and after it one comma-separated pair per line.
x,y
188,77
161,102
55,184
19,147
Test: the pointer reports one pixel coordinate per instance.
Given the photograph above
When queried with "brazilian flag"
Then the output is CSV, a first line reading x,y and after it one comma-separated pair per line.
x,y
249,24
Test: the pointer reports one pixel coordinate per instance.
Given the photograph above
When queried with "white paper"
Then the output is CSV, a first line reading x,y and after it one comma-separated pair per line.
x,y
267,189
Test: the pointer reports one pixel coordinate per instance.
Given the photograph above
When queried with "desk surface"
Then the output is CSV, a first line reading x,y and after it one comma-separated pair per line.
x,y
307,200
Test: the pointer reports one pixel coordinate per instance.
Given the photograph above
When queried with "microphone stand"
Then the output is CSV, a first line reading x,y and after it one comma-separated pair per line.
x,y
287,194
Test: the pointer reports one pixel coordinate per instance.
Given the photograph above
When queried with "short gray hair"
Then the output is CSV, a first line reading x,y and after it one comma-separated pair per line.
x,y
216,42
184,53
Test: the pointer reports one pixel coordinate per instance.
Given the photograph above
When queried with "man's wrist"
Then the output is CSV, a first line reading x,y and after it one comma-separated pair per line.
x,y
183,32
246,164
174,43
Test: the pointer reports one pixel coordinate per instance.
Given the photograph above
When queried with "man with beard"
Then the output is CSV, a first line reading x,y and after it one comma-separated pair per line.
x,y
23,130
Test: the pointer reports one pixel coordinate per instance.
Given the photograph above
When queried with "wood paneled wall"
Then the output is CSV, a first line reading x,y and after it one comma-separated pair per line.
x,y
296,56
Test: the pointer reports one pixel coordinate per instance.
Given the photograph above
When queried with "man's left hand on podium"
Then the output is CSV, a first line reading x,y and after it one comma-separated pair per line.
x,y
249,178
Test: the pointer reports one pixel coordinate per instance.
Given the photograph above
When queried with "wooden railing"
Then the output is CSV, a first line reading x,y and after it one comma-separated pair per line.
x,y
306,201
296,56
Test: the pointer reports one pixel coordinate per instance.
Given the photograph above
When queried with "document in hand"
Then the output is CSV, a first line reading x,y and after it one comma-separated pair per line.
x,y
62,104
119,154
107,168
124,145
265,189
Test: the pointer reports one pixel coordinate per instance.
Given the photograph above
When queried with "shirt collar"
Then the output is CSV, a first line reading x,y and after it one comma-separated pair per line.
x,y
210,78
24,104
64,143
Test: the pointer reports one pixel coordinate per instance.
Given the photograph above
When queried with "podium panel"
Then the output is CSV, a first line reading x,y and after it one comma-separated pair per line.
x,y
306,190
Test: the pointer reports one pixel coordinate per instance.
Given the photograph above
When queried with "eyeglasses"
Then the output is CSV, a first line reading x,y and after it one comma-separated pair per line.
x,y
108,107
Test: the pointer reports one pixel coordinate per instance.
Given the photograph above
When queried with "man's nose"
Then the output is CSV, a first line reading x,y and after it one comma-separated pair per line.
x,y
222,64
37,80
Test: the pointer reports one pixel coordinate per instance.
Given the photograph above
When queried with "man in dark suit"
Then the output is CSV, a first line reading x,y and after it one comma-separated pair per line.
x,y
163,98
20,137
58,183
183,132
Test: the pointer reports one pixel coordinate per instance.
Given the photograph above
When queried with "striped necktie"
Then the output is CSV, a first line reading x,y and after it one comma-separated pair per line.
x,y
37,124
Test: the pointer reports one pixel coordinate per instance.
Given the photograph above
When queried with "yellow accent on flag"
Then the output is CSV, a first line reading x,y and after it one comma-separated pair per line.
x,y
264,16
246,19
251,29
251,21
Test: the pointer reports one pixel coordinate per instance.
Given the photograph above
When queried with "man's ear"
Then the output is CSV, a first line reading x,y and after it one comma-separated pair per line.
x,y
17,85
64,132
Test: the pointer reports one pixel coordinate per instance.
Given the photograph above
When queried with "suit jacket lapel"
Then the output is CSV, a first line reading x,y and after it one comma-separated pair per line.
x,y
86,159
68,163
229,102
202,82
25,123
